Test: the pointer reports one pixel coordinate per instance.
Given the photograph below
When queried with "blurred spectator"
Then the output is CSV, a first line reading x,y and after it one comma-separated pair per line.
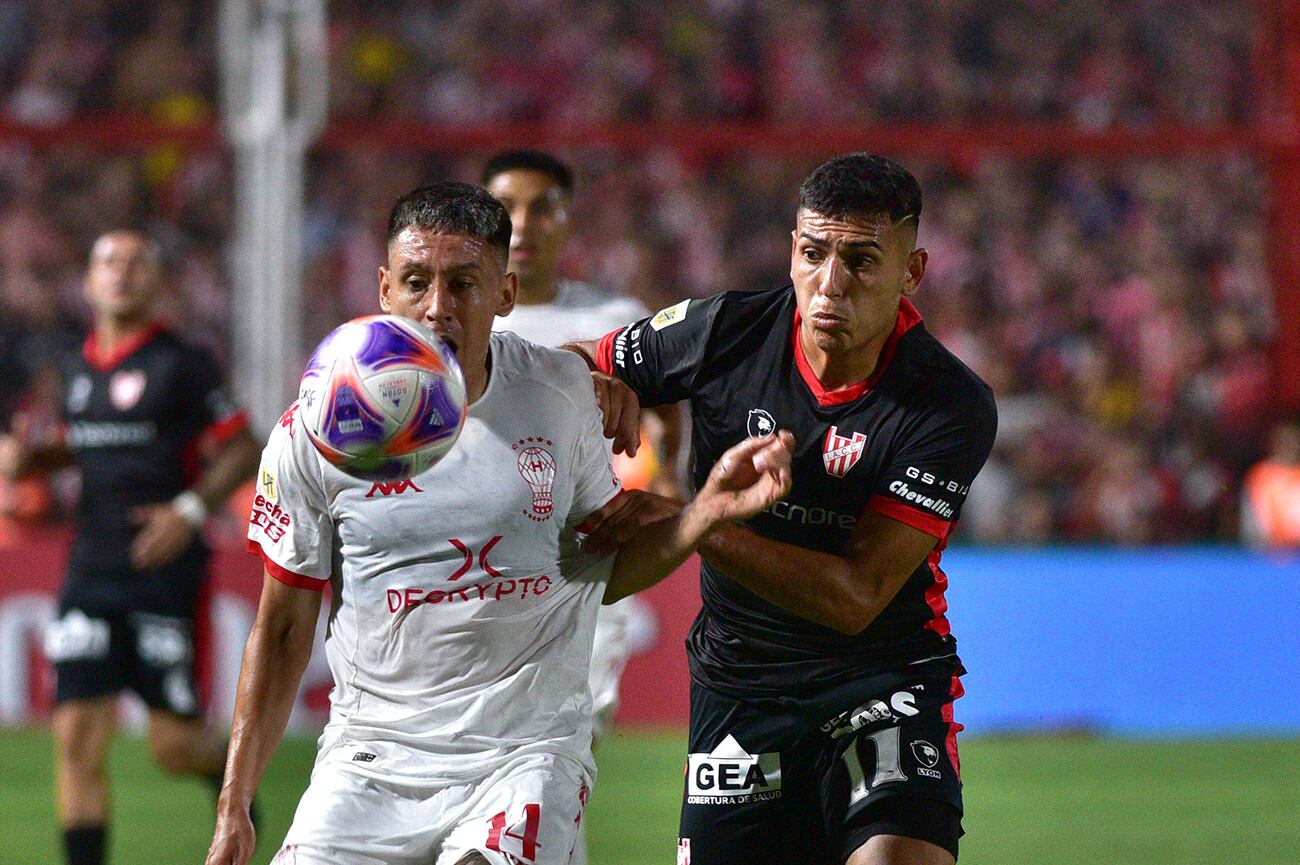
x,y
1135,63
1270,510
1120,307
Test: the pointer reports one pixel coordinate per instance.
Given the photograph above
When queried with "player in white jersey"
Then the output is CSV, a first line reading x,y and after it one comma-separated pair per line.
x,y
463,606
537,190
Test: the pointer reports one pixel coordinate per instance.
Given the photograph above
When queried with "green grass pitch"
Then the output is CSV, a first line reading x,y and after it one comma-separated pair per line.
x,y
1058,801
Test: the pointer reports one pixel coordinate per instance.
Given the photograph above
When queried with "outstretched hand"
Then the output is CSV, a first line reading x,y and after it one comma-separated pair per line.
x,y
749,477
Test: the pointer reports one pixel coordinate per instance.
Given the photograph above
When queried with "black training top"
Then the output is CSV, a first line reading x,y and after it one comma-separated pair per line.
x,y
907,443
134,419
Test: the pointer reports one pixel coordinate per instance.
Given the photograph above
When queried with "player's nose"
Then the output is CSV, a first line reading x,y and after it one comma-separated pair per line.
x,y
831,277
518,219
441,303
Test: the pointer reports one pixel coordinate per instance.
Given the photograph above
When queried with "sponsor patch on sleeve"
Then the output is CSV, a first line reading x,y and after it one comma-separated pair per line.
x,y
266,484
669,316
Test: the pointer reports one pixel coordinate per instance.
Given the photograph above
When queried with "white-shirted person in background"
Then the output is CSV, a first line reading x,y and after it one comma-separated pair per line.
x,y
537,190
463,609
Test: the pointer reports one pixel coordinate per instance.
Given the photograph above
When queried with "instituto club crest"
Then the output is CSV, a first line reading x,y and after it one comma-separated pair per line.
x,y
841,453
125,388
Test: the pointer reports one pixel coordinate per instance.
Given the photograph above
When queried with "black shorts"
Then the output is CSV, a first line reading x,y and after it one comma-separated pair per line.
x,y
98,652
809,780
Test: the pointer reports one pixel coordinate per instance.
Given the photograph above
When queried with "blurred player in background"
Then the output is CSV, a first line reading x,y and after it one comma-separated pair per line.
x,y
537,191
823,671
1270,498
141,406
463,612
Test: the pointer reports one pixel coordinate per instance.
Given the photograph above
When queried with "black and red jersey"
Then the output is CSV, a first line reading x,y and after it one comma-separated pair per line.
x,y
907,443
134,418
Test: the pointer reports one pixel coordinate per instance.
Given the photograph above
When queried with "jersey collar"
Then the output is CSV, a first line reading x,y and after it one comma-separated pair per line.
x,y
107,360
908,318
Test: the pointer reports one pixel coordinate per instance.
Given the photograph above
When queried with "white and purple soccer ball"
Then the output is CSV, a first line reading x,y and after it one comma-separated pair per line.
x,y
382,398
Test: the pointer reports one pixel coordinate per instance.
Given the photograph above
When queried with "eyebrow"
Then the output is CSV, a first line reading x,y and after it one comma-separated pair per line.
x,y
848,244
408,267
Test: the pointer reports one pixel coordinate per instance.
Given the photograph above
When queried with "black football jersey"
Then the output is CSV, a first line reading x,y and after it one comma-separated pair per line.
x,y
907,443
133,422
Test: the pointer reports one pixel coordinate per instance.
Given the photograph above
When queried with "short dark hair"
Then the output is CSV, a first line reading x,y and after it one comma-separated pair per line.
x,y
529,160
861,184
453,208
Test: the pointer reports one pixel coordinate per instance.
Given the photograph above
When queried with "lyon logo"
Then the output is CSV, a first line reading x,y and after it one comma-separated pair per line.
x,y
841,454
537,468
926,754
760,423
126,388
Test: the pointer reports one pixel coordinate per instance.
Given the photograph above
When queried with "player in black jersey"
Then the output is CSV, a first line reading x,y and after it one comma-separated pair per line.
x,y
823,670
141,408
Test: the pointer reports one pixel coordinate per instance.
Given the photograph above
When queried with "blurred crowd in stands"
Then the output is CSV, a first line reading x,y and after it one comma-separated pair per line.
x,y
1120,307
1093,63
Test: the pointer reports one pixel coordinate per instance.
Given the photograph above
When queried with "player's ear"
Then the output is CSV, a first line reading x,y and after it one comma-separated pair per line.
x,y
509,288
916,261
384,303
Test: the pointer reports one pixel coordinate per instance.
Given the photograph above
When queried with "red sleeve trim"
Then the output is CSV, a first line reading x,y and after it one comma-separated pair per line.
x,y
284,575
908,515
224,430
605,352
590,522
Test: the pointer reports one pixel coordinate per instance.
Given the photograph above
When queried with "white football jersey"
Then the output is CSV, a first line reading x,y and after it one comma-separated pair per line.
x,y
579,311
461,626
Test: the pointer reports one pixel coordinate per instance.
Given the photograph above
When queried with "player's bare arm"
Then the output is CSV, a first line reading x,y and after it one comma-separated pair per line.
x,y
843,592
623,516
275,657
167,529
749,477
19,457
669,445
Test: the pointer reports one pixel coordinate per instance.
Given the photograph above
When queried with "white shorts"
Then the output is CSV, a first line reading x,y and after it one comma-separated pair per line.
x,y
528,810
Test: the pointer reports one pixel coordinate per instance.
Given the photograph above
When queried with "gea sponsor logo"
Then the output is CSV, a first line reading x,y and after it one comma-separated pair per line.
x,y
730,775
269,517
902,702
939,506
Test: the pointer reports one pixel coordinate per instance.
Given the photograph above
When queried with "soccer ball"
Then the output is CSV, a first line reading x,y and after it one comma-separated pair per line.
x,y
382,398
